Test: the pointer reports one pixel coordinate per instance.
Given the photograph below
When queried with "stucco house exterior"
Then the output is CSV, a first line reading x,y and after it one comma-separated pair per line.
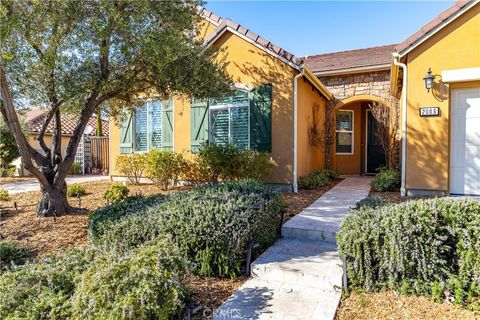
x,y
282,94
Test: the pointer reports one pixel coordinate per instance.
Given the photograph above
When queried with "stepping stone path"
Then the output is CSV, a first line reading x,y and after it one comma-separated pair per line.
x,y
300,276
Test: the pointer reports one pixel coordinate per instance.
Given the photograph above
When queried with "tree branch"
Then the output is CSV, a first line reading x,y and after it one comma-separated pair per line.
x,y
11,118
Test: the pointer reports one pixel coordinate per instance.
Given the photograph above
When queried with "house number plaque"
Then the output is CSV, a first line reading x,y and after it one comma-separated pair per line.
x,y
430,112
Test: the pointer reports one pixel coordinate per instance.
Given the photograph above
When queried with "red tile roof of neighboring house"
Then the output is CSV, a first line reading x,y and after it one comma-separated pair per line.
x,y
227,23
36,117
374,56
433,26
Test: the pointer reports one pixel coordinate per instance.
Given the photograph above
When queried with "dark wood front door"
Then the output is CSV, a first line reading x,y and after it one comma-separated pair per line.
x,y
375,153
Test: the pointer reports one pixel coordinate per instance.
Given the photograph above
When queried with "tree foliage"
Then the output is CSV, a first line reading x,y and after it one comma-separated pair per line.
x,y
79,55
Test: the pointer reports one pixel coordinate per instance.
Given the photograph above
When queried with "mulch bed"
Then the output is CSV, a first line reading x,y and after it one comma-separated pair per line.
x,y
389,305
296,202
4,180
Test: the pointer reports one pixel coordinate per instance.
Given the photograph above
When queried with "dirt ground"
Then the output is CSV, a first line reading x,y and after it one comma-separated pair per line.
x,y
389,305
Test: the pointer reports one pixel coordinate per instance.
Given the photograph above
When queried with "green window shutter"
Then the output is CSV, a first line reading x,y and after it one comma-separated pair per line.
x,y
261,118
198,123
167,125
126,135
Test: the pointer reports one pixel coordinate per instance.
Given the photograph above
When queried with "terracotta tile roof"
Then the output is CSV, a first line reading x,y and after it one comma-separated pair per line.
x,y
35,119
224,23
430,27
350,59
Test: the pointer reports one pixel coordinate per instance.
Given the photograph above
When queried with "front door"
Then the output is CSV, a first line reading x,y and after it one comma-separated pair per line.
x,y
465,142
375,153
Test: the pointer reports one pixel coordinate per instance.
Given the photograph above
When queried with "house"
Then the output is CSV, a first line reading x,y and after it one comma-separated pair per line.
x,y
270,112
92,152
285,96
441,109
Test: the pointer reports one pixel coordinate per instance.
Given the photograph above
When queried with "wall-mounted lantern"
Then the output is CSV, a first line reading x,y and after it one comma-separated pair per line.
x,y
429,80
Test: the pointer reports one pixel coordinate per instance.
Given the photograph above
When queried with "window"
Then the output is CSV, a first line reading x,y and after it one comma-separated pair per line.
x,y
148,126
230,120
344,132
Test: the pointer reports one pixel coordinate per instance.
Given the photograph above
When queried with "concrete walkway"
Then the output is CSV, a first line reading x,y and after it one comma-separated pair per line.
x,y
26,186
300,276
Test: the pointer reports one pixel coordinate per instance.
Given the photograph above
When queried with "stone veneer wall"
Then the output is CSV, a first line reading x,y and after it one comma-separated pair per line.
x,y
347,85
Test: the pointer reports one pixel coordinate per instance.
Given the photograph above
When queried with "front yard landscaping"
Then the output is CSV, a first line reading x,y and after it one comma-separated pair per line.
x,y
416,257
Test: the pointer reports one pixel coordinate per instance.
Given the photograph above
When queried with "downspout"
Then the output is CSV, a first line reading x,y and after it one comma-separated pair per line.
x,y
295,106
396,58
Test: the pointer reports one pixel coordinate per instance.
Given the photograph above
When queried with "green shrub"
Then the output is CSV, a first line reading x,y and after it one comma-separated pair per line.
x,y
221,161
8,171
75,168
165,167
4,195
253,165
331,174
372,202
386,180
426,247
132,166
43,289
101,219
212,225
12,253
76,190
196,171
116,192
316,179
145,283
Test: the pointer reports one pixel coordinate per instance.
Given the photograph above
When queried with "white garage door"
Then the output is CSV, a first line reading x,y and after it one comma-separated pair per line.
x,y
465,142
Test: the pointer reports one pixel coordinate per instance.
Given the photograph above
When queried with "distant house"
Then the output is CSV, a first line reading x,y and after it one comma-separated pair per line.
x,y
86,159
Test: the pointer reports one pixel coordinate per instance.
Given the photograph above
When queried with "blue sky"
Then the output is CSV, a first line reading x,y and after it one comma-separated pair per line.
x,y
312,27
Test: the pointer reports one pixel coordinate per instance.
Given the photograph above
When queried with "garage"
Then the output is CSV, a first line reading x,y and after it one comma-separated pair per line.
x,y
465,142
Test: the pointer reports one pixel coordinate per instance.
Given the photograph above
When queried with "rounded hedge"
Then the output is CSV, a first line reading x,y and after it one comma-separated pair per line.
x,y
146,283
212,225
427,247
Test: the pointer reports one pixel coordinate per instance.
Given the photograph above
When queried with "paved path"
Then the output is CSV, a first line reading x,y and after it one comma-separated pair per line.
x,y
26,186
300,276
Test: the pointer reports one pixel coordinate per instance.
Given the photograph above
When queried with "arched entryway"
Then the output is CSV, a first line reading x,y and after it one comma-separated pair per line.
x,y
357,148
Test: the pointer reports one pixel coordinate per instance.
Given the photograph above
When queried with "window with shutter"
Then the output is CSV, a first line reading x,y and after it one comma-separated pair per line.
x,y
155,124
229,120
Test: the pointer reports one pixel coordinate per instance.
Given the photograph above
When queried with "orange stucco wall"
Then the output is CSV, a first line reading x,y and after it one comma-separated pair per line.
x,y
457,46
352,163
309,157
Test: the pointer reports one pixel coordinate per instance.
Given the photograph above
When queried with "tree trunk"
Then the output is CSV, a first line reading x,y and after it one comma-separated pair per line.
x,y
54,201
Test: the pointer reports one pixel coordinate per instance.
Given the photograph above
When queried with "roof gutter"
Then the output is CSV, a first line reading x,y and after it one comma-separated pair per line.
x,y
295,107
378,67
316,83
403,104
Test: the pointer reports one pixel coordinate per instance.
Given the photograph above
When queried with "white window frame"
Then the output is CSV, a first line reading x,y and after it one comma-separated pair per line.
x,y
149,138
228,106
345,131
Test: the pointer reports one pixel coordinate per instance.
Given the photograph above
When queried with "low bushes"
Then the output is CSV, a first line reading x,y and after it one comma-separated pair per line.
x,y
76,190
132,166
145,284
12,253
227,162
116,192
4,195
317,178
165,167
386,180
102,218
426,247
212,225
372,202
